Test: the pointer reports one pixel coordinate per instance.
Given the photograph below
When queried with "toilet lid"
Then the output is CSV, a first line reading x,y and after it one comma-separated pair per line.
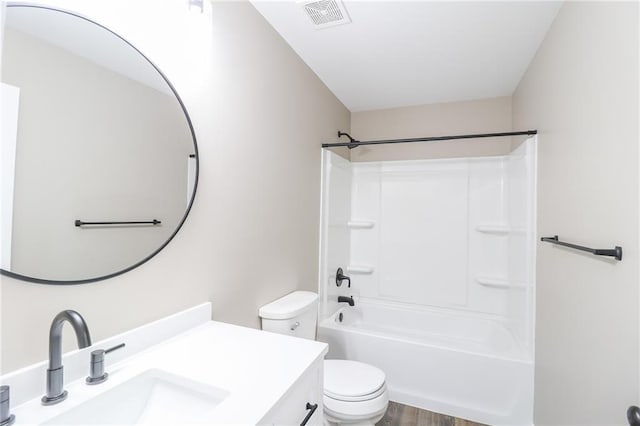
x,y
350,379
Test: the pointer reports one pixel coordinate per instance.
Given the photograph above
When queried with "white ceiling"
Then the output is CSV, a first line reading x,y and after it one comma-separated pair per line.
x,y
401,53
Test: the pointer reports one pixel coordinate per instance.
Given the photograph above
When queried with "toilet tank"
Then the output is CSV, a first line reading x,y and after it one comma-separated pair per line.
x,y
295,314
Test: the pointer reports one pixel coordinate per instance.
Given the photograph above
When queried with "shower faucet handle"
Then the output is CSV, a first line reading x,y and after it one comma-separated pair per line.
x,y
340,276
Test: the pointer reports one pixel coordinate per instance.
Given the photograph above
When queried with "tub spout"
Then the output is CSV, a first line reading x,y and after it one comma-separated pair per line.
x,y
346,299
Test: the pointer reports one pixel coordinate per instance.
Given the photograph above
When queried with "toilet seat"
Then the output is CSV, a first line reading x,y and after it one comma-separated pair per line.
x,y
345,398
340,411
352,380
353,390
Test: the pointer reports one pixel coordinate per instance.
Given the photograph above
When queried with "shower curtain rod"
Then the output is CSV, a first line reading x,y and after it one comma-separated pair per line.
x,y
353,143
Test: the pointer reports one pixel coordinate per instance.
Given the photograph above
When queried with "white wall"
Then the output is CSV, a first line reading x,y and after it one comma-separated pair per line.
x,y
260,116
581,93
10,101
335,241
521,194
442,233
453,118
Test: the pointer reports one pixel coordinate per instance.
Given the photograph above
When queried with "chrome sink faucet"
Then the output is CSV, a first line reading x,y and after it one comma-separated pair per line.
x,y
6,418
55,375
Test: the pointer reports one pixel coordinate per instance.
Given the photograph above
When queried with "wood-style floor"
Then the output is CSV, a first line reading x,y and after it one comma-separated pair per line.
x,y
404,415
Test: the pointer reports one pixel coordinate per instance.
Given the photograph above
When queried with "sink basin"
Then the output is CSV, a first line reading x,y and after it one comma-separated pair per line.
x,y
152,397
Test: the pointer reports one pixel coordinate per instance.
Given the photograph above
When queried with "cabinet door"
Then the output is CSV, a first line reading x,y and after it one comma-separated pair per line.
x,y
298,403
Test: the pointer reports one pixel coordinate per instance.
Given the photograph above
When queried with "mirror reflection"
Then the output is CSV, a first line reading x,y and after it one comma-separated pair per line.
x,y
91,132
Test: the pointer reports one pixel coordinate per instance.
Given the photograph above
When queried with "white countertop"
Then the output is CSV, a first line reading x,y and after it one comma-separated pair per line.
x,y
255,367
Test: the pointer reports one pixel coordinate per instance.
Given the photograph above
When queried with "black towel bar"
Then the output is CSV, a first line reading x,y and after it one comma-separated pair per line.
x,y
616,252
78,222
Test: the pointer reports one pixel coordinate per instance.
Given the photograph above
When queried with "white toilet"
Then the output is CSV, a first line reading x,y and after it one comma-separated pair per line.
x,y
354,392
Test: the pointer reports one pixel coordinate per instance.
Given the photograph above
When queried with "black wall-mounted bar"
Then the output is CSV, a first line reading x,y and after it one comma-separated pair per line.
x,y
78,222
353,143
616,252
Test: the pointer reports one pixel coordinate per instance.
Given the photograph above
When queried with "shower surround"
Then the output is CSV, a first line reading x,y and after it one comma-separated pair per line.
x,y
441,257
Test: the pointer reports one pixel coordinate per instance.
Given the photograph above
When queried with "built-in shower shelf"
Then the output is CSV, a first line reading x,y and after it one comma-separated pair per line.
x,y
498,283
360,269
361,224
494,229
498,229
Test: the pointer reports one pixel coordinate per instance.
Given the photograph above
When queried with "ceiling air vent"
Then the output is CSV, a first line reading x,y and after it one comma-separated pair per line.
x,y
325,13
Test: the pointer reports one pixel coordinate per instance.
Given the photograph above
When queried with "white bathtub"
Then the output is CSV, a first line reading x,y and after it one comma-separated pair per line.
x,y
451,363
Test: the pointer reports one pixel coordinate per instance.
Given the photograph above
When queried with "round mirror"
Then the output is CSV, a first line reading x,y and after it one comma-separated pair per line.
x,y
99,157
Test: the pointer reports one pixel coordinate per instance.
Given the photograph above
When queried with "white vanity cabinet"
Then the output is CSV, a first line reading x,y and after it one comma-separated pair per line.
x,y
292,409
223,374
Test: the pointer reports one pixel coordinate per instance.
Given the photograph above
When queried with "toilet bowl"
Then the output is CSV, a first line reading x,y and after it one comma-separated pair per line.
x,y
354,392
